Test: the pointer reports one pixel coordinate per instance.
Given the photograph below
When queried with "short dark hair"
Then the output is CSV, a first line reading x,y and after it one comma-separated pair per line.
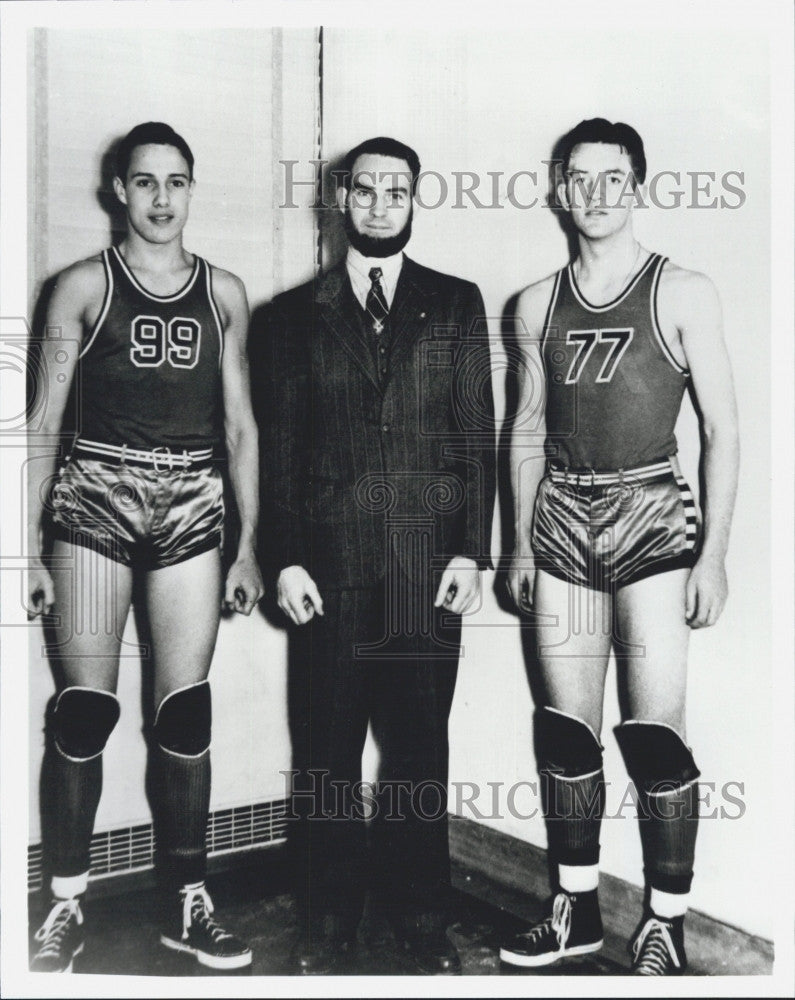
x,y
382,145
150,133
610,133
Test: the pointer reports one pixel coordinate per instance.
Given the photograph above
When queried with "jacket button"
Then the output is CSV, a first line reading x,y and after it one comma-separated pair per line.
x,y
385,428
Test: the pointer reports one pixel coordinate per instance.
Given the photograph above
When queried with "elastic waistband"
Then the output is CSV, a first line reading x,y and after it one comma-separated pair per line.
x,y
660,468
161,459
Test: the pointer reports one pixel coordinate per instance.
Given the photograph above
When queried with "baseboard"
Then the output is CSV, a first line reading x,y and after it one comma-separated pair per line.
x,y
514,875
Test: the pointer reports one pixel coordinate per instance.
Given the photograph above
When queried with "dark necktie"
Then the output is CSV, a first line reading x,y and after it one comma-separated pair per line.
x,y
376,307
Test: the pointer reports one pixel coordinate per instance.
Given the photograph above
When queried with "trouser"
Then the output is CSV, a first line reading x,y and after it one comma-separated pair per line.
x,y
382,655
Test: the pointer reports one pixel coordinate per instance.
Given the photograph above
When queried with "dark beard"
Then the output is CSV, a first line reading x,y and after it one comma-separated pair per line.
x,y
375,246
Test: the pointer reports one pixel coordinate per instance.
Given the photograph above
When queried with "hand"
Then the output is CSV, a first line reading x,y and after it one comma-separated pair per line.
x,y
460,586
706,593
244,585
520,581
298,596
41,592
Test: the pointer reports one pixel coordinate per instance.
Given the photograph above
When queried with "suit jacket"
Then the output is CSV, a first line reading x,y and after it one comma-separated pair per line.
x,y
356,471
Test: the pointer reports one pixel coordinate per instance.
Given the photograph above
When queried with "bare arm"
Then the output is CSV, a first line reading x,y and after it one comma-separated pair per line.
x,y
689,302
244,582
73,307
528,434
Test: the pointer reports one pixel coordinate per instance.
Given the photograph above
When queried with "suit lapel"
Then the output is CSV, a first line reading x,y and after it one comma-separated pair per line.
x,y
410,308
408,316
337,307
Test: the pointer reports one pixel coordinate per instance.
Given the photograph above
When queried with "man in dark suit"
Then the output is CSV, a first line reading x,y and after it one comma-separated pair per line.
x,y
378,480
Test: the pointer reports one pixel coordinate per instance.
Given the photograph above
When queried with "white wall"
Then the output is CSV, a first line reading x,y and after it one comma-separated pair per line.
x,y
240,98
496,99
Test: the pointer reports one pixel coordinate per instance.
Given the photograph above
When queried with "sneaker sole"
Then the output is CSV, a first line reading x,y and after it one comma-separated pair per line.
x,y
203,958
530,961
69,967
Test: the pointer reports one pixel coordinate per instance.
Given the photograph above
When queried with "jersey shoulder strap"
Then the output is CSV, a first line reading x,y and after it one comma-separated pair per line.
x,y
560,278
206,278
655,318
99,322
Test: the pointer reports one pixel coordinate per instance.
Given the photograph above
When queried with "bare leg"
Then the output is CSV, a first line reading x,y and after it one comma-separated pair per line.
x,y
573,640
184,607
573,646
651,618
652,613
183,604
92,600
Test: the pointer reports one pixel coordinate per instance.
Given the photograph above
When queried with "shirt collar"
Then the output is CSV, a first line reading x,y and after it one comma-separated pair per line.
x,y
358,267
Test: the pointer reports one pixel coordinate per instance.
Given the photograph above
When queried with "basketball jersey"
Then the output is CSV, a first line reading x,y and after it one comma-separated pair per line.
x,y
614,388
150,368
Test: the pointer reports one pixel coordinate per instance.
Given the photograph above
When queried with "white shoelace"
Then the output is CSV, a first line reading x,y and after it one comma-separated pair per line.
x,y
559,921
198,899
54,927
658,951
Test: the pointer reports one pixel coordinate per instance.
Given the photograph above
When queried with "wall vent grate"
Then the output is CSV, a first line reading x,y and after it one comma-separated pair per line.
x,y
132,849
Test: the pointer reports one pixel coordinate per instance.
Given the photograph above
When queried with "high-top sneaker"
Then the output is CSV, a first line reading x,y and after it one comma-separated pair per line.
x,y
61,937
574,927
203,936
659,947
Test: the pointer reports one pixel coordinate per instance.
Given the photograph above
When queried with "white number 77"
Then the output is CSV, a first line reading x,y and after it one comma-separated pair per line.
x,y
586,340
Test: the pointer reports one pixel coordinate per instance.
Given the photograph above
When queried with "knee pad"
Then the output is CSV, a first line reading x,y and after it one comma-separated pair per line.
x,y
83,720
655,756
566,744
184,720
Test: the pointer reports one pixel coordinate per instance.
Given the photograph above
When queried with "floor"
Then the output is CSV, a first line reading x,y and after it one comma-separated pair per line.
x,y
255,902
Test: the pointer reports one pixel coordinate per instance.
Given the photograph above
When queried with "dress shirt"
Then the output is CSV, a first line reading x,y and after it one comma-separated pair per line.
x,y
359,271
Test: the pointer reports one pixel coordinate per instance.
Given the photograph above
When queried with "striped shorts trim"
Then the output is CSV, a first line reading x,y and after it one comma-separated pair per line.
x,y
608,536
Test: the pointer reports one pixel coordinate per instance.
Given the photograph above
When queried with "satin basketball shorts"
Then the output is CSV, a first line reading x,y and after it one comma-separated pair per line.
x,y
604,530
142,517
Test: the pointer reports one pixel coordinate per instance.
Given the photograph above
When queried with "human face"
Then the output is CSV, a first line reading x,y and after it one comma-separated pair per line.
x,y
599,190
378,205
156,192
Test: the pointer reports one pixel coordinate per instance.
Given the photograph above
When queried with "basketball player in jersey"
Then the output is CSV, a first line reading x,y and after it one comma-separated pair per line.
x,y
609,537
163,393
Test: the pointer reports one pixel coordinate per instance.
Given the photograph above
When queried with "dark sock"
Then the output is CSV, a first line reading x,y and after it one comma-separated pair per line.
x,y
182,789
668,827
70,792
573,808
